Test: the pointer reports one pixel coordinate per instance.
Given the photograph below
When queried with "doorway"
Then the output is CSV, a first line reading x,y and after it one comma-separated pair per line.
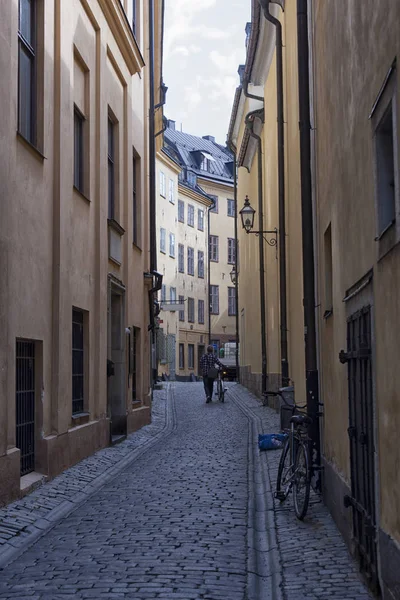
x,y
116,354
25,404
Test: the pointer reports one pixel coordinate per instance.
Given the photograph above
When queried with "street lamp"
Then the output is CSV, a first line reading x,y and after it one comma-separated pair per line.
x,y
233,275
247,215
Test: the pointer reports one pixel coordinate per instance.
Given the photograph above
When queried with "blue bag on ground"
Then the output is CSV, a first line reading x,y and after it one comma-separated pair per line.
x,y
271,441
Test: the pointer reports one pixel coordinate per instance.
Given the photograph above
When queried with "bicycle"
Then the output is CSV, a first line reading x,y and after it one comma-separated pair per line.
x,y
220,392
294,470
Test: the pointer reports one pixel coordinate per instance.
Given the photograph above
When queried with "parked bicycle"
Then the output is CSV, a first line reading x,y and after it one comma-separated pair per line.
x,y
294,471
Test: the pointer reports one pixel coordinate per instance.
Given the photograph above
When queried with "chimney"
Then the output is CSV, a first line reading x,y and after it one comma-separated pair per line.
x,y
210,138
171,124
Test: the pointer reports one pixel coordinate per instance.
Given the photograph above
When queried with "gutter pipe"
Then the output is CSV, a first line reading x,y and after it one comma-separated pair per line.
x,y
249,122
281,192
310,336
209,271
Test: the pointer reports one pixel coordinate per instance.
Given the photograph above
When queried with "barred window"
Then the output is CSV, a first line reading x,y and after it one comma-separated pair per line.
x,y
214,299
190,261
231,251
200,264
213,248
181,258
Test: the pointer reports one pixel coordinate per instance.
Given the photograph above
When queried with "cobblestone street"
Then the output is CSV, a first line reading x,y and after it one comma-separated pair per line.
x,y
181,510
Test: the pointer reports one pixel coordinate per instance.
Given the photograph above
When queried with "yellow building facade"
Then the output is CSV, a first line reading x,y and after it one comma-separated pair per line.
x,y
74,234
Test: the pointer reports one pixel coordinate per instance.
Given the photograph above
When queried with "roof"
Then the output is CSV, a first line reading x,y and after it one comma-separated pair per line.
x,y
190,150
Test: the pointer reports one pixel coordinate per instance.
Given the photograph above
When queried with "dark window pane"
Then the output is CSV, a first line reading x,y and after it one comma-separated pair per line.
x,y
25,93
26,20
110,139
78,151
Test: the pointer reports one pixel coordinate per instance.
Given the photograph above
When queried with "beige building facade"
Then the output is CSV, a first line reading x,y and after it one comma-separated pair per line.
x,y
74,238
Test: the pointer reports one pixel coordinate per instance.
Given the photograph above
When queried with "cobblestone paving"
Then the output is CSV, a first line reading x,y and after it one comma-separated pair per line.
x,y
172,518
314,561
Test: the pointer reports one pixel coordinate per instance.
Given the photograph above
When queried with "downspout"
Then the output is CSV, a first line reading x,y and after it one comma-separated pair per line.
x,y
281,191
209,271
310,336
249,122
233,150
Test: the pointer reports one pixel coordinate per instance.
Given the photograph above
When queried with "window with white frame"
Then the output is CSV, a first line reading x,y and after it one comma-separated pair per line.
x,y
162,240
162,184
231,302
214,299
200,310
191,310
213,248
231,207
172,191
172,295
231,251
172,245
163,292
191,356
190,217
182,312
181,258
200,264
181,211
190,261
200,219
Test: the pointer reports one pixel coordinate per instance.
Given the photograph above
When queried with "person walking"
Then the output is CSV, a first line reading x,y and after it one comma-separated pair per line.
x,y
208,364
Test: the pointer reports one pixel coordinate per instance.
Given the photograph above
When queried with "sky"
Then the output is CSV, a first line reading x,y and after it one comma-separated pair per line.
x,y
204,43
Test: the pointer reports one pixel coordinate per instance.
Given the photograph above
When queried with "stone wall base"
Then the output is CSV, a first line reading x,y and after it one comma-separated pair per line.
x,y
253,382
138,418
9,476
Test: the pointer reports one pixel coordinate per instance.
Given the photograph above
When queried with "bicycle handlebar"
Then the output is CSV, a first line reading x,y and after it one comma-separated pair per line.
x,y
271,393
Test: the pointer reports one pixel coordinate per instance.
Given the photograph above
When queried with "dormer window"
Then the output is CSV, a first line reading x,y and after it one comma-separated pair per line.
x,y
191,178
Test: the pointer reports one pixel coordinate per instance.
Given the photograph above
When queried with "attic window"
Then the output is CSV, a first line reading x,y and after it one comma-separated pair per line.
x,y
206,161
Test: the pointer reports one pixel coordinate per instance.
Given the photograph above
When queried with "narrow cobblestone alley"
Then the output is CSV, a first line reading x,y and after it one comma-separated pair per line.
x,y
176,521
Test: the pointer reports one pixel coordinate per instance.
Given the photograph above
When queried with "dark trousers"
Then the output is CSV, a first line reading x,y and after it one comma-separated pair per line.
x,y
208,386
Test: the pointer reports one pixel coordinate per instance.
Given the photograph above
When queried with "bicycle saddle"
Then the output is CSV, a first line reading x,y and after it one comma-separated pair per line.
x,y
301,420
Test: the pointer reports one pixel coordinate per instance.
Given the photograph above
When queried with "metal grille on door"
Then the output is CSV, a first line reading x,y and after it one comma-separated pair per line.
x,y
25,404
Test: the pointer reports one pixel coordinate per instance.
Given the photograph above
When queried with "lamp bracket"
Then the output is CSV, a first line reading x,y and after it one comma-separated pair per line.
x,y
271,241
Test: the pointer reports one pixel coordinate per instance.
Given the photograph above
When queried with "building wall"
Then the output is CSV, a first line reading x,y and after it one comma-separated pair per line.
x,y
349,72
54,239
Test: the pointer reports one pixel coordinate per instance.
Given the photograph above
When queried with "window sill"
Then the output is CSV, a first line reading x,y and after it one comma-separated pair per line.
x,y
162,195
387,240
80,419
163,252
136,247
81,194
190,225
214,260
136,403
113,224
35,151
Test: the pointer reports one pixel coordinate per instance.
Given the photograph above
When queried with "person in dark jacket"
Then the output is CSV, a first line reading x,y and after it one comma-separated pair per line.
x,y
207,362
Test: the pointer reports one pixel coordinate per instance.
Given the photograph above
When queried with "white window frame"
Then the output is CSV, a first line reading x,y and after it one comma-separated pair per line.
x,y
214,299
162,184
231,251
190,215
181,258
200,219
163,240
231,301
230,207
172,245
190,261
213,248
171,191
200,263
181,211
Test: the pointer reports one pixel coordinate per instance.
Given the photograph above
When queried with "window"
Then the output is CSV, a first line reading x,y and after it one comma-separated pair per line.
x,y
384,149
172,245
172,191
79,120
134,367
181,211
172,295
328,271
214,299
134,17
231,251
231,207
190,260
191,310
191,356
163,292
213,248
182,312
201,311
26,70
231,302
191,178
162,184
200,264
200,219
190,217
181,258
214,208
135,200
181,356
111,169
77,362
162,240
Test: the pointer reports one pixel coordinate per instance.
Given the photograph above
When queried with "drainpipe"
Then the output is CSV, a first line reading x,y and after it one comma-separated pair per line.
x,y
249,122
310,337
281,191
233,150
209,269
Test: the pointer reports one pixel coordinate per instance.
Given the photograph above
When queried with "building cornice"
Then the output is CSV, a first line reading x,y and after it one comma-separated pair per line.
x,y
166,160
190,193
215,184
119,26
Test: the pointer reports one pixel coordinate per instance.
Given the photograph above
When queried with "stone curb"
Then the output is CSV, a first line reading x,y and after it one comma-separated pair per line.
x,y
17,546
263,562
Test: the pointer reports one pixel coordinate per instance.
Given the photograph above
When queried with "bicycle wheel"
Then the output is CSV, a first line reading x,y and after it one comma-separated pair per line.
x,y
302,481
221,392
284,480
